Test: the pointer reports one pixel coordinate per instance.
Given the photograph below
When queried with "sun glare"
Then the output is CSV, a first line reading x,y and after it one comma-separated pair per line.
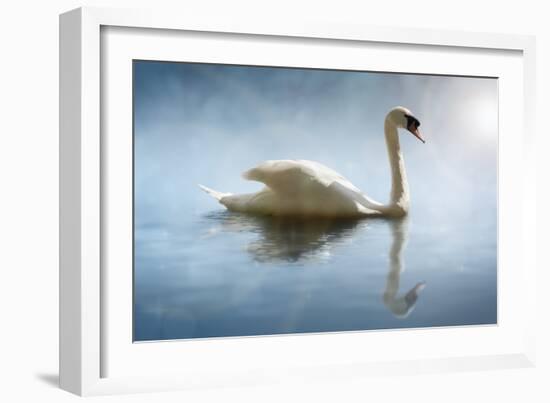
x,y
483,116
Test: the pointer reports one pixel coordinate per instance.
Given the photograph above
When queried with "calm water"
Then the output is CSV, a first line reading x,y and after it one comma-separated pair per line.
x,y
203,272
228,274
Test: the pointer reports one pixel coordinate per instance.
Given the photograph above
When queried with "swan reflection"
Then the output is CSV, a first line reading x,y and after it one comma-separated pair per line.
x,y
400,306
290,239
294,239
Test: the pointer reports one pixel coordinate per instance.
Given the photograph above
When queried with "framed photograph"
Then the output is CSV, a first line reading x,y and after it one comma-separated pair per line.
x,y
246,202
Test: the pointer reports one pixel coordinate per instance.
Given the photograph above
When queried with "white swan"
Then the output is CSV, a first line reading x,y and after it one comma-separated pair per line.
x,y
308,188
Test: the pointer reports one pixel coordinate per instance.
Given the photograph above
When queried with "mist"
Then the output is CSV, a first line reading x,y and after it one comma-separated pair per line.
x,y
203,123
202,272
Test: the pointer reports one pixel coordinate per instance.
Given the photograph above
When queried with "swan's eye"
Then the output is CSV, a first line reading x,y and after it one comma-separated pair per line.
x,y
412,120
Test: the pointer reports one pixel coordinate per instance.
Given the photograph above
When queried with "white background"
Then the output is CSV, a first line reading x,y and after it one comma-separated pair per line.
x,y
28,210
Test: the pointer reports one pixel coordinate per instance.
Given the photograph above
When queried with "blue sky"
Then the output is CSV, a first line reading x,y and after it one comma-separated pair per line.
x,y
202,123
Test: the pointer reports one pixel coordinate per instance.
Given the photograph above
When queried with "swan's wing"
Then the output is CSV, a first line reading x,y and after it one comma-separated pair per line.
x,y
285,176
291,177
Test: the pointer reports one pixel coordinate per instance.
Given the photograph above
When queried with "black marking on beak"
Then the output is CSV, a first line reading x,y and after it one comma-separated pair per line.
x,y
412,120
412,126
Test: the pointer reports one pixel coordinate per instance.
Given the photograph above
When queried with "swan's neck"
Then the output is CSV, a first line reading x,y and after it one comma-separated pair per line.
x,y
399,197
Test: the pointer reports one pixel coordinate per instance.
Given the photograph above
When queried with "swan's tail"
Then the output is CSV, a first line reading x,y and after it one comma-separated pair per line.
x,y
215,194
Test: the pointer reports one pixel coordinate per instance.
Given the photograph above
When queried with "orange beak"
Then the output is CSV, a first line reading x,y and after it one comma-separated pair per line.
x,y
413,128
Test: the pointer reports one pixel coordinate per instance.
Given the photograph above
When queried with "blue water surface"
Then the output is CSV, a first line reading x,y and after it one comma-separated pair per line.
x,y
228,274
200,271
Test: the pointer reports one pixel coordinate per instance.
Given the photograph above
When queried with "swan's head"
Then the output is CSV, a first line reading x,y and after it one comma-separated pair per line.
x,y
403,306
404,119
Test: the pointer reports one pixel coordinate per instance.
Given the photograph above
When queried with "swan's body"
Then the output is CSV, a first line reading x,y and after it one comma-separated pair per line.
x,y
308,188
299,187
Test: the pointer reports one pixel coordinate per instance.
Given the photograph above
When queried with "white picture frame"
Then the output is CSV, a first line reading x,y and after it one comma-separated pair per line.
x,y
89,340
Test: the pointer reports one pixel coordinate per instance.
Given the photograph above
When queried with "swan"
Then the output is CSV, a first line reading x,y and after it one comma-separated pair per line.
x,y
308,188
